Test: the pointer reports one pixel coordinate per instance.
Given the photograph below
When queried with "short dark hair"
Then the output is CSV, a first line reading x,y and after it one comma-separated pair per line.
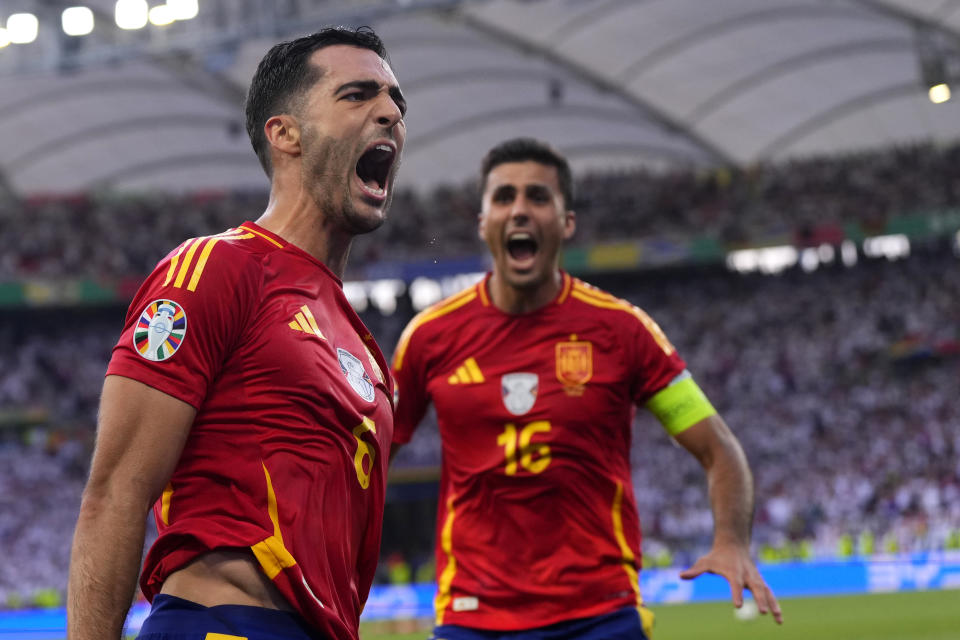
x,y
285,74
529,149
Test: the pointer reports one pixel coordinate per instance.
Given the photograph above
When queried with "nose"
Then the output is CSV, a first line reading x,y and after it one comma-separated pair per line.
x,y
388,112
520,211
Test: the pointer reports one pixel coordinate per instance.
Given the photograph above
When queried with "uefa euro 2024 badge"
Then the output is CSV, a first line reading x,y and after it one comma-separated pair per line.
x,y
160,330
356,374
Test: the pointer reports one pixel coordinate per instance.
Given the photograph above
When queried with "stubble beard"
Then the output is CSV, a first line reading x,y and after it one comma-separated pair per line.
x,y
325,160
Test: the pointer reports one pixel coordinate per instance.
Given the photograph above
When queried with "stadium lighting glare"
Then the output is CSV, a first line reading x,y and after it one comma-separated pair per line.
x,y
356,295
826,253
424,292
890,247
848,253
131,14
77,21
769,260
809,260
384,293
161,15
939,93
22,28
4,38
184,9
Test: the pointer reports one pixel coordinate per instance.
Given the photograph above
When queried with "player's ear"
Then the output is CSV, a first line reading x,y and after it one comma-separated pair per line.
x,y
481,224
569,224
283,134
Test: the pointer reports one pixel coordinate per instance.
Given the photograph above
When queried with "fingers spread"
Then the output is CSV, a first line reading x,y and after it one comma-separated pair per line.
x,y
736,590
766,601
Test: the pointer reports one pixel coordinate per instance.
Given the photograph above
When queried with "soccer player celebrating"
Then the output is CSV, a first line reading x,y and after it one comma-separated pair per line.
x,y
534,375
245,400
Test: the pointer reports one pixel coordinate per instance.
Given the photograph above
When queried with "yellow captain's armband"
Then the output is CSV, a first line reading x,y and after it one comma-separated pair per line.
x,y
680,405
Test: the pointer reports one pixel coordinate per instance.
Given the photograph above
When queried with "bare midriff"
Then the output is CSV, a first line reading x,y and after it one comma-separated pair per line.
x,y
225,577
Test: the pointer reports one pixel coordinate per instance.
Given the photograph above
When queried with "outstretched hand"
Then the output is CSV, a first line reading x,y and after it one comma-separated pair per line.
x,y
734,564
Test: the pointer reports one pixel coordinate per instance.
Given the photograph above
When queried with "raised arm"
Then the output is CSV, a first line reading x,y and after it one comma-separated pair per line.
x,y
140,435
731,499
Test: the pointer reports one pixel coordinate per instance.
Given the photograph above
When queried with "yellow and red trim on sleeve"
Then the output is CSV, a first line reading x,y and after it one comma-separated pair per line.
x,y
430,313
183,268
594,297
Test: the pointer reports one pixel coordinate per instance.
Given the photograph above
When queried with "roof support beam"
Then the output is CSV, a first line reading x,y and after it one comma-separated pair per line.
x,y
714,152
542,112
806,59
727,24
894,10
237,159
822,119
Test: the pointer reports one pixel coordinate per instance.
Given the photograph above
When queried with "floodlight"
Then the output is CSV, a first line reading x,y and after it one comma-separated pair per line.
x,y
77,21
22,28
184,9
4,38
939,93
161,15
131,14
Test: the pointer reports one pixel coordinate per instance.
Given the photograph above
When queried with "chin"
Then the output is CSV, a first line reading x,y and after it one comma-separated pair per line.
x,y
365,224
365,217
524,281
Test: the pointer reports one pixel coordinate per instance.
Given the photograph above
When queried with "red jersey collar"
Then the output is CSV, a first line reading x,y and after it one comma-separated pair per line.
x,y
280,243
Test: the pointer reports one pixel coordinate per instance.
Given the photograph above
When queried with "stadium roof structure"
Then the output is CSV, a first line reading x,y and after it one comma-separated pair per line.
x,y
612,83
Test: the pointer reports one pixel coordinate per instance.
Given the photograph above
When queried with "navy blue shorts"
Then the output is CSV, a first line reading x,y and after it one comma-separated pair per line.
x,y
173,618
619,625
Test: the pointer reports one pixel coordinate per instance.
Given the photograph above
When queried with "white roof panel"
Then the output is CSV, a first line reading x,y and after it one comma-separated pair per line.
x,y
616,82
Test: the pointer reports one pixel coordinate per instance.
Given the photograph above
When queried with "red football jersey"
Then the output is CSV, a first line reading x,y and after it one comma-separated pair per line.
x,y
537,521
288,452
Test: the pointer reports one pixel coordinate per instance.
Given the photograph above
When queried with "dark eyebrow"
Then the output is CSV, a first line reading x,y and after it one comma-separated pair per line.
x,y
364,85
372,86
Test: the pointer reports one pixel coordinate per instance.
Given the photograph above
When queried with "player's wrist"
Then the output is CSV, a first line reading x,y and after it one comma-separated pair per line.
x,y
730,542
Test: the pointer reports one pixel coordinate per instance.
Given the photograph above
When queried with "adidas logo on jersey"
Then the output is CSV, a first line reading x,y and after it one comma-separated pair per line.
x,y
304,321
467,373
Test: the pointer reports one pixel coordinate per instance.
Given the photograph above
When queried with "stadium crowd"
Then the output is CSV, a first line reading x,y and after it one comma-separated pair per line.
x,y
115,236
840,383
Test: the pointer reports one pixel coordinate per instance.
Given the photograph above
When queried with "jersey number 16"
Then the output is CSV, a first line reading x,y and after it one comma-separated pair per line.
x,y
511,441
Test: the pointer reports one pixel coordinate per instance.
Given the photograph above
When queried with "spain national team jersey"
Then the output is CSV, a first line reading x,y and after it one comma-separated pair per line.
x,y
287,455
537,522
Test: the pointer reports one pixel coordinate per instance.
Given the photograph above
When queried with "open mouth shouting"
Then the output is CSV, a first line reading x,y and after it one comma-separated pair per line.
x,y
522,248
373,169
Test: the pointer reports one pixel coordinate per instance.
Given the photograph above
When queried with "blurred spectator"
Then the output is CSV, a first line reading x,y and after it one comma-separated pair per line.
x,y
113,236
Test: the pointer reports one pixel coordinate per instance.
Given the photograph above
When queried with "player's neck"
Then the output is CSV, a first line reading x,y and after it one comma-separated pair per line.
x,y
512,299
296,221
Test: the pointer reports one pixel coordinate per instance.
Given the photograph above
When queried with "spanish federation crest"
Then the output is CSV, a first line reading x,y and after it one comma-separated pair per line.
x,y
160,330
574,365
356,374
519,392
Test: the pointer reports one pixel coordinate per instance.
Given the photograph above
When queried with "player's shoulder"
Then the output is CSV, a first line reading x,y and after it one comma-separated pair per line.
x,y
211,261
437,316
596,300
449,309
618,312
